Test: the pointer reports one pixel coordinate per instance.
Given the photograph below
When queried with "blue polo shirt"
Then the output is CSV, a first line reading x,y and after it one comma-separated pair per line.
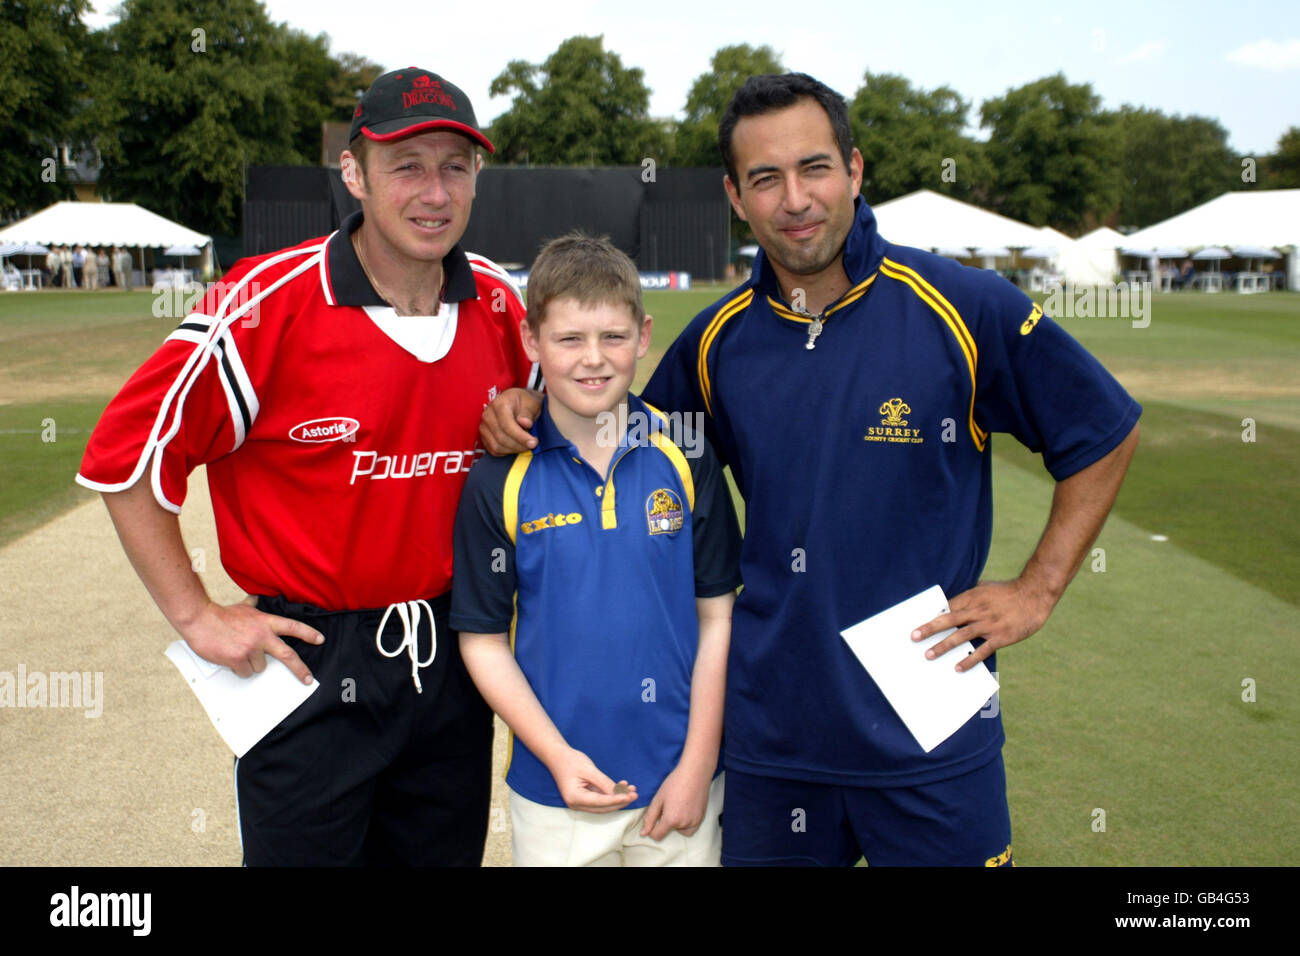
x,y
865,463
606,569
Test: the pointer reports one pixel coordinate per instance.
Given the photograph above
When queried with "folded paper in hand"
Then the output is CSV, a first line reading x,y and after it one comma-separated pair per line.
x,y
930,697
243,709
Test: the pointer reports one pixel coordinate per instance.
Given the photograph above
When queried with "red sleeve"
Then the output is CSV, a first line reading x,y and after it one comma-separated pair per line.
x,y
502,288
190,403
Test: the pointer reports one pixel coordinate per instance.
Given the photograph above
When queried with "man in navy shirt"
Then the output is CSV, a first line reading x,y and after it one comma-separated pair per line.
x,y
851,385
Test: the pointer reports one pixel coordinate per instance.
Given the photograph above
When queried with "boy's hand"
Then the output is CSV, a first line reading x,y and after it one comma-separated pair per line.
x,y
505,423
680,804
584,787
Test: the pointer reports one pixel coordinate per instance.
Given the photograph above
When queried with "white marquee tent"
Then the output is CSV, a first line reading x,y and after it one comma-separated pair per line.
x,y
1074,260
932,221
104,224
928,220
1102,249
1268,217
1251,218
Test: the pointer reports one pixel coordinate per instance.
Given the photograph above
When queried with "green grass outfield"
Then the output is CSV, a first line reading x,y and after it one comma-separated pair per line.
x,y
1130,701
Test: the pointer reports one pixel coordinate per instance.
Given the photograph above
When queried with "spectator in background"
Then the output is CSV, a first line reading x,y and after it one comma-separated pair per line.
x,y
53,263
90,269
101,263
1185,276
69,278
122,265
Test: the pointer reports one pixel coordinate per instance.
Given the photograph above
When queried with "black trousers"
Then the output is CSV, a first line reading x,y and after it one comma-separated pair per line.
x,y
368,771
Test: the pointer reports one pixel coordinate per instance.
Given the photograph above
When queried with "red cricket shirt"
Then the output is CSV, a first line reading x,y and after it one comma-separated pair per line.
x,y
336,456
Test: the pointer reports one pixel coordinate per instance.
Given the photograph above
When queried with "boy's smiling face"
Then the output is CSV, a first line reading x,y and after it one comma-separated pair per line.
x,y
588,355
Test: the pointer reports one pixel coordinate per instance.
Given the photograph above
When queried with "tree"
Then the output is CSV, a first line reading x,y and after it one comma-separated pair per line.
x,y
324,88
42,88
1053,155
192,92
913,139
1282,168
580,107
696,139
354,76
1170,163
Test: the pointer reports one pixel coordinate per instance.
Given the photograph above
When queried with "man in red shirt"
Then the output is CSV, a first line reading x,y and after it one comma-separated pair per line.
x,y
333,390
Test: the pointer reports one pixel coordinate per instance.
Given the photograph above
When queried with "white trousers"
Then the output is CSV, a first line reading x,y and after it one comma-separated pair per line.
x,y
558,836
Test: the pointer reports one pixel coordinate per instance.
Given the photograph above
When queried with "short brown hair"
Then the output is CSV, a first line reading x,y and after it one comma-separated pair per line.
x,y
587,268
358,148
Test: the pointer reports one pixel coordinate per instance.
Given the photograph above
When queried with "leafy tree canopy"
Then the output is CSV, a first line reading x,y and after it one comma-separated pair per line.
x,y
579,107
696,141
1053,155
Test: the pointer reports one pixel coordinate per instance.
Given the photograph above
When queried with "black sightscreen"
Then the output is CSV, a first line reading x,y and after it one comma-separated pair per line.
x,y
679,221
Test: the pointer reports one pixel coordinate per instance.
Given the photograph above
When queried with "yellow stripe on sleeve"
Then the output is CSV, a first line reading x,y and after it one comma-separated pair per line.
x,y
706,342
510,495
952,318
669,448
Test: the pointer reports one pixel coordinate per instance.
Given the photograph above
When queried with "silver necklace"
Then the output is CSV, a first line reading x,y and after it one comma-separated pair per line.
x,y
390,301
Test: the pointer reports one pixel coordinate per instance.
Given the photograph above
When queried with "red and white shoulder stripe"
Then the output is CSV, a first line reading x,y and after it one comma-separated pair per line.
x,y
486,267
212,342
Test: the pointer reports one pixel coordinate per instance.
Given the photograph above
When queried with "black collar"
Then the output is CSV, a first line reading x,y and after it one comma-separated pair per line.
x,y
348,284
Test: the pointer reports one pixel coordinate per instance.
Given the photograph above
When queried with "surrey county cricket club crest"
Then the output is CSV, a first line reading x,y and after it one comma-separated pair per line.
x,y
663,512
893,426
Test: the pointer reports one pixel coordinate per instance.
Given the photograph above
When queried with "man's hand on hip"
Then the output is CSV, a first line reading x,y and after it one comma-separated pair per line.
x,y
239,636
1001,612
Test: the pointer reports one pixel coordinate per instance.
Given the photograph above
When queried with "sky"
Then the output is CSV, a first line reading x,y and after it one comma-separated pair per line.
x,y
1238,63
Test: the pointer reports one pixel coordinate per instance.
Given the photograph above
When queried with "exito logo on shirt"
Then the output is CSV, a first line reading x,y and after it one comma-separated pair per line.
x,y
663,512
893,426
550,521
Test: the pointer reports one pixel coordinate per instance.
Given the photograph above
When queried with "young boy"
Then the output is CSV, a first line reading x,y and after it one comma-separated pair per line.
x,y
594,579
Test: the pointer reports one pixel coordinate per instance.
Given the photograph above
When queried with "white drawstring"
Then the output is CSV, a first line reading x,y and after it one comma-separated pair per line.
x,y
410,636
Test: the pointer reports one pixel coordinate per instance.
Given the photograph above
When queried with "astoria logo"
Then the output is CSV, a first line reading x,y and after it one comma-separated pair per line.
x,y
325,429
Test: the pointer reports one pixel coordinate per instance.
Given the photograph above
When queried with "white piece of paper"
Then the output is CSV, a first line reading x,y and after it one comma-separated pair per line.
x,y
930,697
243,709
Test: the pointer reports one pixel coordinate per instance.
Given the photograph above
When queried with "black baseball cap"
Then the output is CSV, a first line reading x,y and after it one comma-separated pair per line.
x,y
405,102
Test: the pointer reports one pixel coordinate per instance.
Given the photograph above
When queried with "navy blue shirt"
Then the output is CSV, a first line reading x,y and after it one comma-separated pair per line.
x,y
865,465
606,569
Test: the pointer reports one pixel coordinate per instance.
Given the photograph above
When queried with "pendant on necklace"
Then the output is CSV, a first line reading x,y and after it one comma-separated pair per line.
x,y
814,330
